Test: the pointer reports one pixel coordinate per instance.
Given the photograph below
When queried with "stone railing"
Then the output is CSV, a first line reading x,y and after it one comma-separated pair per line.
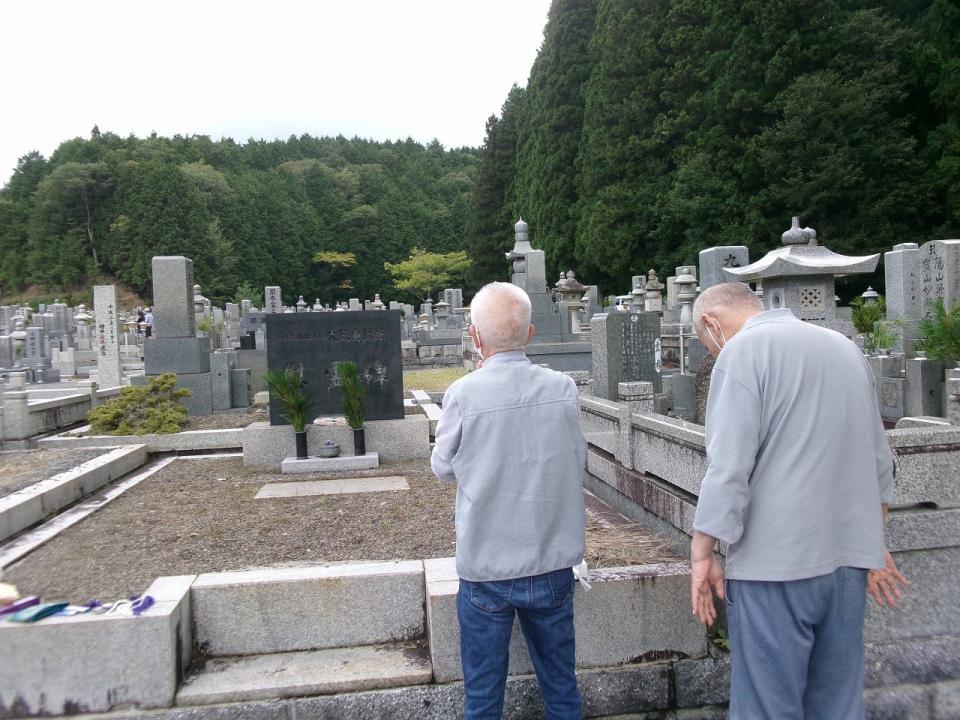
x,y
23,418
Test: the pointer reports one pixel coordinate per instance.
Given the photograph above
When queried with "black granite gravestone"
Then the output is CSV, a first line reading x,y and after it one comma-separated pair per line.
x,y
315,342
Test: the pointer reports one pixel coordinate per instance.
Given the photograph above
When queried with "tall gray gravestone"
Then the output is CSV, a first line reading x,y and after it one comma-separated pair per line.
x,y
33,350
713,260
901,270
107,327
314,342
626,348
175,346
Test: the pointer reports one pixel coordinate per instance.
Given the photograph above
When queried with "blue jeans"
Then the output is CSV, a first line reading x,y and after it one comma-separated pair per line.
x,y
545,606
797,647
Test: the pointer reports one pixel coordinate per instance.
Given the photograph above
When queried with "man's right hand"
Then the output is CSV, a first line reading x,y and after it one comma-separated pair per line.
x,y
884,585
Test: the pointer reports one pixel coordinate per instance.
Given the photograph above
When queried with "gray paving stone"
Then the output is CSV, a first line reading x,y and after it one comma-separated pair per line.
x,y
332,487
336,464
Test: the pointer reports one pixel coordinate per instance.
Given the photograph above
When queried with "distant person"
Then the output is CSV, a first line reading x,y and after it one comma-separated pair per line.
x,y
147,322
510,438
140,321
798,481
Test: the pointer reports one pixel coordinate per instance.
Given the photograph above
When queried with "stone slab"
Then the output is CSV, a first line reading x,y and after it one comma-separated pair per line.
x,y
26,507
200,386
629,615
266,611
96,663
299,674
336,464
228,439
177,355
332,487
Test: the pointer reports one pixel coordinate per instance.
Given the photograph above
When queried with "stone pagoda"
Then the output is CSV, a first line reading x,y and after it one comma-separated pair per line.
x,y
802,275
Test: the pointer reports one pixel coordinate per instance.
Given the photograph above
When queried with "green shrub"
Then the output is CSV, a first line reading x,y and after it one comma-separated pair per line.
x,y
141,410
939,332
867,315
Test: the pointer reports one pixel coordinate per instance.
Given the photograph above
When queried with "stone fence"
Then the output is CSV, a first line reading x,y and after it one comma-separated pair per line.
x,y
649,467
22,418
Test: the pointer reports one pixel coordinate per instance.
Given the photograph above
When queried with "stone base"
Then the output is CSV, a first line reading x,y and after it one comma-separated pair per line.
x,y
176,355
265,446
325,465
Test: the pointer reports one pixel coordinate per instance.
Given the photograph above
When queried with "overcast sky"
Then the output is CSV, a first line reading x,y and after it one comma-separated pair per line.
x,y
383,69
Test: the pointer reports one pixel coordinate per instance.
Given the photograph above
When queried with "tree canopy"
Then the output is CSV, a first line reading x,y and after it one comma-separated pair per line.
x,y
423,273
652,129
285,212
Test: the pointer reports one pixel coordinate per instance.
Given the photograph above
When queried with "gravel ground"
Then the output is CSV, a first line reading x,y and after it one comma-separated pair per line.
x,y
20,469
200,515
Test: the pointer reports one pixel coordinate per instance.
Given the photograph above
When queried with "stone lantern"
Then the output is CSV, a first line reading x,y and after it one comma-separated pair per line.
x,y
19,339
686,285
653,300
871,296
301,305
377,302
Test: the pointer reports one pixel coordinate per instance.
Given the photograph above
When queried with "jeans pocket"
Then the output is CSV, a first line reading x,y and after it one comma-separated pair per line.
x,y
491,596
561,585
726,592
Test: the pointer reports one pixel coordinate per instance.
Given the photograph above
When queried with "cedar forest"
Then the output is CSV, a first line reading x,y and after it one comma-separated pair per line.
x,y
647,131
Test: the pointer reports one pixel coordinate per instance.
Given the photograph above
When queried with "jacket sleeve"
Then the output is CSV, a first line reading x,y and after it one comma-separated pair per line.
x,y
447,438
733,440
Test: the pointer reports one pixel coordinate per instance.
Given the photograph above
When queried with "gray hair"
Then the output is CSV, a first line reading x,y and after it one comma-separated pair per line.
x,y
726,296
501,313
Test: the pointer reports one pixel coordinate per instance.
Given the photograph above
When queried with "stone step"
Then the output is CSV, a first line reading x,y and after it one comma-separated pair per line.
x,y
301,674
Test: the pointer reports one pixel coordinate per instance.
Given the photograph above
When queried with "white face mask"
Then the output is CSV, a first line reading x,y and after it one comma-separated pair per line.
x,y
710,333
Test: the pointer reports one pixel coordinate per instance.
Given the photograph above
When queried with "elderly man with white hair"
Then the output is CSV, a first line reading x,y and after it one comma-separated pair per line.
x,y
510,438
798,480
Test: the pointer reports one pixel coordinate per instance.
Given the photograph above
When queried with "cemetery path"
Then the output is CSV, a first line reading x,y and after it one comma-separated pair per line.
x,y
20,469
201,515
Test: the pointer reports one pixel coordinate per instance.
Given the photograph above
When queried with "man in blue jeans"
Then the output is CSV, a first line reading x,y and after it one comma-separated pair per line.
x,y
799,476
510,438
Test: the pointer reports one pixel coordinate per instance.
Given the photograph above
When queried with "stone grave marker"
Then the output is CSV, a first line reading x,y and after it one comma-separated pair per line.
x,y
273,301
901,269
315,342
107,335
713,260
626,348
939,272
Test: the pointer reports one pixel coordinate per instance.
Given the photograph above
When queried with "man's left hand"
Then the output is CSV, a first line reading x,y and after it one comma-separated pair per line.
x,y
884,585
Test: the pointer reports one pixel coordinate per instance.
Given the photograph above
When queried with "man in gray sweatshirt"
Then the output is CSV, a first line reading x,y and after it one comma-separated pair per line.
x,y
510,438
798,481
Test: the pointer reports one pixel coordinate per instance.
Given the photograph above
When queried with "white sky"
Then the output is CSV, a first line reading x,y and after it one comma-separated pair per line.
x,y
384,69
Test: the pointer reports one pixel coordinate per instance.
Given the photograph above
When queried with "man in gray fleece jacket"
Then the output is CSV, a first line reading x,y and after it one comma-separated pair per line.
x,y
510,438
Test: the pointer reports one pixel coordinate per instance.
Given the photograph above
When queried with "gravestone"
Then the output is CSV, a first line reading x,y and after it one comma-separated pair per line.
x,y
626,348
175,346
924,387
107,334
713,260
454,298
33,350
245,307
939,273
273,300
901,269
6,351
315,342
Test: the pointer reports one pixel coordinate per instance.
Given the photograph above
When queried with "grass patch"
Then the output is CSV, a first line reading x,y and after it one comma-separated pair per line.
x,y
431,380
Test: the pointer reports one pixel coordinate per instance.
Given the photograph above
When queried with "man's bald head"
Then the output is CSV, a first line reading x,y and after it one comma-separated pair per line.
x,y
501,314
727,298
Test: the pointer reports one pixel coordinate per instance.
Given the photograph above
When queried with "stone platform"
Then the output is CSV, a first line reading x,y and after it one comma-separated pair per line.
x,y
293,465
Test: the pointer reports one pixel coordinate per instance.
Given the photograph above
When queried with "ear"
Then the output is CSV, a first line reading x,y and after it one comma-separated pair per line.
x,y
531,332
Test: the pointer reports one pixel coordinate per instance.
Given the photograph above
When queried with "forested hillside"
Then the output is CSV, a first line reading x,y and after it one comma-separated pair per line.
x,y
651,129
252,213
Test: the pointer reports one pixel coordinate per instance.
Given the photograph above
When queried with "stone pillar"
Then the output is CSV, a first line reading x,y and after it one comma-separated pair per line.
x,y
107,335
634,397
91,387
173,314
953,401
17,423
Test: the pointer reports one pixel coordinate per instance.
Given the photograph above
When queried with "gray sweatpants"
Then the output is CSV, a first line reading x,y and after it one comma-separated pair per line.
x,y
797,647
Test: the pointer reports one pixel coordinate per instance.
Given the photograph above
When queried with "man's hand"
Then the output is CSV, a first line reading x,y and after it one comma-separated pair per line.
x,y
884,585
706,578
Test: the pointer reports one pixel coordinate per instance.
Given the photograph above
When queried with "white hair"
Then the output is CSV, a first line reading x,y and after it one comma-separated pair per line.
x,y
726,296
501,313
